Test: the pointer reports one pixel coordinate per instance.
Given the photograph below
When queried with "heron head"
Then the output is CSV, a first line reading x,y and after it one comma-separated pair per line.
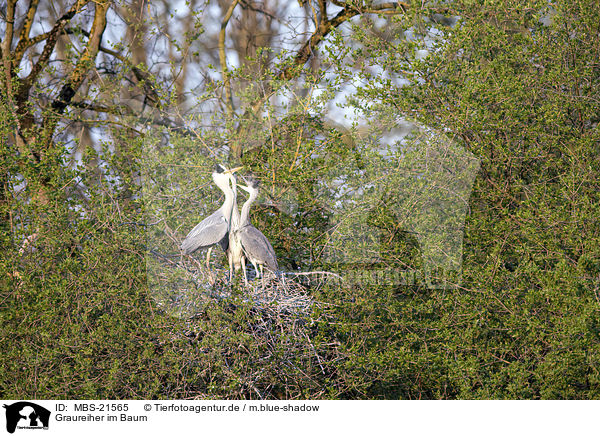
x,y
222,175
221,169
233,170
251,180
252,184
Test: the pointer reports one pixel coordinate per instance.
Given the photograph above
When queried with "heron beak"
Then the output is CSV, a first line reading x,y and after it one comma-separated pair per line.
x,y
233,170
245,188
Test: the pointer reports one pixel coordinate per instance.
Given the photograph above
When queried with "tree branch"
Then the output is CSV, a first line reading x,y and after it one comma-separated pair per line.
x,y
5,51
223,58
85,62
122,109
322,30
143,77
24,34
6,45
50,44
22,46
292,68
77,76
326,26
10,25
386,8
248,5
323,10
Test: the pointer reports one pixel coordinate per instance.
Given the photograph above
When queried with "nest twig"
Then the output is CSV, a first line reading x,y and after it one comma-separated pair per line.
x,y
183,285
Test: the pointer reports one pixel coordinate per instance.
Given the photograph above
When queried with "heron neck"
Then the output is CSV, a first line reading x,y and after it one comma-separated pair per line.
x,y
235,213
245,218
227,207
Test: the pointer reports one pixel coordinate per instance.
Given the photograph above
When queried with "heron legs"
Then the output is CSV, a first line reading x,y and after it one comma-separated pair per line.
x,y
231,266
209,272
255,268
208,258
244,271
262,275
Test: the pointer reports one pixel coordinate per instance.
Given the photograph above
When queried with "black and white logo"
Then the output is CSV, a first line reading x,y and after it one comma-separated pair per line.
x,y
26,415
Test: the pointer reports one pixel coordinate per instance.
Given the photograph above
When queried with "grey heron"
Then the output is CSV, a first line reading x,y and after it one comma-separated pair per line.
x,y
235,255
214,229
256,247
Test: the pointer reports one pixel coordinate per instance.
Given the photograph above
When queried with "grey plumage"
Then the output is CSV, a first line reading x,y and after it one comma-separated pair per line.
x,y
257,248
211,230
215,228
235,253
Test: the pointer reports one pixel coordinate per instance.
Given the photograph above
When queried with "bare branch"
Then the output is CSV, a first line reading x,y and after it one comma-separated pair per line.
x,y
387,8
122,109
96,107
24,45
10,24
5,51
250,6
50,44
323,10
223,58
5,47
86,61
380,7
28,22
77,76
24,34
325,26
142,76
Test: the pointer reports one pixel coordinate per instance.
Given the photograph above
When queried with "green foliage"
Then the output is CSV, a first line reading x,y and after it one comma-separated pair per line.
x,y
514,84
518,94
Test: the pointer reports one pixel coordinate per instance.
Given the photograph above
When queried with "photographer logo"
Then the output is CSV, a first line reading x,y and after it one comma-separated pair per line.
x,y
26,415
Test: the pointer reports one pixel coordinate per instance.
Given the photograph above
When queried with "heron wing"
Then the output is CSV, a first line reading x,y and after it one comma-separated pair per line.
x,y
257,247
211,230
